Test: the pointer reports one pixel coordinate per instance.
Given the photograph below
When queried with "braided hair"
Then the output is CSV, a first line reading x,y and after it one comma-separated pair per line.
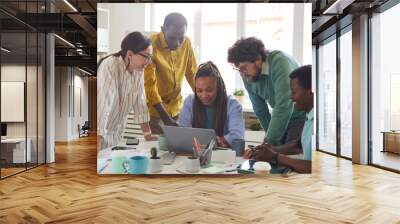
x,y
209,69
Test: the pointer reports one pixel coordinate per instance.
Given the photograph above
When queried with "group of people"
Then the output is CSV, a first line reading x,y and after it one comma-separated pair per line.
x,y
146,76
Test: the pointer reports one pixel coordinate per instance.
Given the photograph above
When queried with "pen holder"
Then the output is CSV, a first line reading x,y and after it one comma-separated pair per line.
x,y
205,157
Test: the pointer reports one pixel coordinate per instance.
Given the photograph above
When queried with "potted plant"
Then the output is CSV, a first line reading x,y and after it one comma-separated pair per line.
x,y
255,126
155,161
239,95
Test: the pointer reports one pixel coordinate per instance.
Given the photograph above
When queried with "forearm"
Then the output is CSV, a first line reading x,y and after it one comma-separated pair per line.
x,y
99,142
145,128
163,113
147,132
290,148
298,165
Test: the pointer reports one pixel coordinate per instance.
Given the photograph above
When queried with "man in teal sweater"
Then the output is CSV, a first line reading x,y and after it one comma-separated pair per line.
x,y
266,78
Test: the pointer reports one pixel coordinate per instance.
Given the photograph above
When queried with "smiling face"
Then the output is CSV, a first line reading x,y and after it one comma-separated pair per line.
x,y
250,70
206,89
139,61
302,97
174,35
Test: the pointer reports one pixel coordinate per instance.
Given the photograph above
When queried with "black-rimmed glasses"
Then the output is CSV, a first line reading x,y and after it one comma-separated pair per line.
x,y
146,56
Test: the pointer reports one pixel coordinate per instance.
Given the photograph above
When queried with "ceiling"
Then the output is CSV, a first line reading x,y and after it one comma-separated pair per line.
x,y
75,21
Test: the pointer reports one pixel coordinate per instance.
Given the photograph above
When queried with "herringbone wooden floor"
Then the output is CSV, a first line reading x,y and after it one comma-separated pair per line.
x,y
70,191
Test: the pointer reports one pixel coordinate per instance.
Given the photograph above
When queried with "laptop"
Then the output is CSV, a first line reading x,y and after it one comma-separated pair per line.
x,y
180,139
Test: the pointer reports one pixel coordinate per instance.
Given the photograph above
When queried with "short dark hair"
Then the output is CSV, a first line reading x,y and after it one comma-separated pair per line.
x,y
303,75
248,49
173,19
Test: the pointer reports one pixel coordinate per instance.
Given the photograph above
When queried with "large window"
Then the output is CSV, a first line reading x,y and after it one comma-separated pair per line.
x,y
385,84
219,33
272,23
327,96
346,94
334,137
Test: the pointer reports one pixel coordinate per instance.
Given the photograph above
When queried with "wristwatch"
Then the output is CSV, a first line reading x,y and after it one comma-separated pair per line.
x,y
274,160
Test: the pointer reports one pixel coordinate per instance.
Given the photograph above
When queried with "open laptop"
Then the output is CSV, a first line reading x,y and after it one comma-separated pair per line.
x,y
180,139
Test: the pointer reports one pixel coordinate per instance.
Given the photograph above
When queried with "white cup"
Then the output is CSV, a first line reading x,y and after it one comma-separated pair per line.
x,y
155,165
192,164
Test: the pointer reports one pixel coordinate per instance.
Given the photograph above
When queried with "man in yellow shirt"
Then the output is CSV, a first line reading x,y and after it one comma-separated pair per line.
x,y
173,59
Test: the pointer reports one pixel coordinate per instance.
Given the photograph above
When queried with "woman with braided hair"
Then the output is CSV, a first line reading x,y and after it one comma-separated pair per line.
x,y
210,107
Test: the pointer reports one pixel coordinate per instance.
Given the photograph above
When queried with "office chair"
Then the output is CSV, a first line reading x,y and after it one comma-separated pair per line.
x,y
84,130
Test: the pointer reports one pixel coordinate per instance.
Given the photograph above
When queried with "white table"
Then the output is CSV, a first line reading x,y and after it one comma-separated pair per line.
x,y
177,167
17,149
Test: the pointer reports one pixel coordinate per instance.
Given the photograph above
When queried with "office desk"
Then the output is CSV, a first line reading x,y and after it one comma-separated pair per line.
x,y
391,141
13,150
177,167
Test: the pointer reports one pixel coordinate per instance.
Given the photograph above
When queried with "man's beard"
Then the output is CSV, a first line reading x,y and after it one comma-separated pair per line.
x,y
256,78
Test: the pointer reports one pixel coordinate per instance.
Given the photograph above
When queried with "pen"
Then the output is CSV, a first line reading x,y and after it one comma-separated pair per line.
x,y
195,149
198,145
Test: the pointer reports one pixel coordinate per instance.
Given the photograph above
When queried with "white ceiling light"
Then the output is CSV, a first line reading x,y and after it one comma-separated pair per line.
x,y
70,5
5,50
86,72
338,6
65,41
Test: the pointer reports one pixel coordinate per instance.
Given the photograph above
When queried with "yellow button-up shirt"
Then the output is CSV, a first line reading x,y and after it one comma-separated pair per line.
x,y
164,76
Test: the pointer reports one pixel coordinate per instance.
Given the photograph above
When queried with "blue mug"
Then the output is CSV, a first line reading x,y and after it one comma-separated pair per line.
x,y
136,165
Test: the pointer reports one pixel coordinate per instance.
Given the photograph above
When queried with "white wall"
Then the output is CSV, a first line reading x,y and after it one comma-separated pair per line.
x,y
120,22
15,73
61,103
67,81
33,126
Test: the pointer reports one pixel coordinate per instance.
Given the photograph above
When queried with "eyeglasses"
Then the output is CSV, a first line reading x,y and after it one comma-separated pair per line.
x,y
146,56
241,68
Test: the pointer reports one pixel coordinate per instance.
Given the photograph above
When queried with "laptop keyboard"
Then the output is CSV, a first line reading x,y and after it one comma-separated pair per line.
x,y
168,158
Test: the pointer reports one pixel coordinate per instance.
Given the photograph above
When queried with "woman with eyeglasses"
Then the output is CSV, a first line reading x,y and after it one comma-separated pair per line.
x,y
211,108
120,89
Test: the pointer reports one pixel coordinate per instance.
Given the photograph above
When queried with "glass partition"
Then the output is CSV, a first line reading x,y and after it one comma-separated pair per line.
x,y
22,90
346,94
385,85
327,97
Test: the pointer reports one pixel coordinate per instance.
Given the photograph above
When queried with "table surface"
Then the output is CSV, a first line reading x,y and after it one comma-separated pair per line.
x,y
390,132
177,167
13,140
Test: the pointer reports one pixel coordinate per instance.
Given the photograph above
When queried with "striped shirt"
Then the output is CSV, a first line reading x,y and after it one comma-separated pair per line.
x,y
118,93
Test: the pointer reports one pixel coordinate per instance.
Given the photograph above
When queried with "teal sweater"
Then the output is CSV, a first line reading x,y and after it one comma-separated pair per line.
x,y
273,88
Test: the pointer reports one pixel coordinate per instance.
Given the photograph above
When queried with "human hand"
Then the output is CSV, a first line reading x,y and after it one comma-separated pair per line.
x,y
247,152
171,122
221,141
150,137
262,153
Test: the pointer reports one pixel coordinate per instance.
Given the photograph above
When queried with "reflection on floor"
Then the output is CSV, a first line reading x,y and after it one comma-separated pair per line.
x,y
10,169
387,159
